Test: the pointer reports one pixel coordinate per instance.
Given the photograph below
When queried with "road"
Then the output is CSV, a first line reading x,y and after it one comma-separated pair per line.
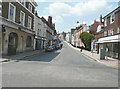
x,y
62,68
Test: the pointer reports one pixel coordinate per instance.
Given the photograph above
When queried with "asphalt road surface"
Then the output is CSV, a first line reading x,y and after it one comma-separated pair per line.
x,y
62,68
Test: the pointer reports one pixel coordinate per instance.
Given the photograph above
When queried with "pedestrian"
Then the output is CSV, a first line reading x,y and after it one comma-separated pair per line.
x,y
81,50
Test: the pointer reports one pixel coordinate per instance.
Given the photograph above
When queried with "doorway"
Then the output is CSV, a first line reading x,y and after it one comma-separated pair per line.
x,y
12,43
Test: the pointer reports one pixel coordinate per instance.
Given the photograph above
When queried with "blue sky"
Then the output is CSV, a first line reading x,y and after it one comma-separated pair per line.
x,y
66,13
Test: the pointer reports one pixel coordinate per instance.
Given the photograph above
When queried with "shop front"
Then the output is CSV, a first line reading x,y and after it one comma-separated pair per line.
x,y
110,45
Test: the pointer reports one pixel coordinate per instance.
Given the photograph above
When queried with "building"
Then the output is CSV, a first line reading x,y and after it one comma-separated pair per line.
x,y
0,28
97,30
40,33
50,30
17,26
75,35
110,42
72,36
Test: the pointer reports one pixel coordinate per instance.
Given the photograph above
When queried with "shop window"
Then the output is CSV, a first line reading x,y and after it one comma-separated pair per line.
x,y
115,50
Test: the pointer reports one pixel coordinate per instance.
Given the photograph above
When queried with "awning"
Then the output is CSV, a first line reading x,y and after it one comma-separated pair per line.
x,y
110,39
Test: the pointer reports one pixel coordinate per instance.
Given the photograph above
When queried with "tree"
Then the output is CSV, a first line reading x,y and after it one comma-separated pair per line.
x,y
86,39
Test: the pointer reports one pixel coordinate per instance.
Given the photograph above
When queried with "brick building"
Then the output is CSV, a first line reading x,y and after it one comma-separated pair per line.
x,y
110,37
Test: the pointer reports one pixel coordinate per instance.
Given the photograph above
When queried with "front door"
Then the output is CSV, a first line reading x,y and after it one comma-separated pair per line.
x,y
12,43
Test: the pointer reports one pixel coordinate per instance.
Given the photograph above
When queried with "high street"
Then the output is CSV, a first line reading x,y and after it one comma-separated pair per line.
x,y
62,68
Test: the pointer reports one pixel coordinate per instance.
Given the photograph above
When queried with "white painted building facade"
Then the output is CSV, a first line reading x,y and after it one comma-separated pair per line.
x,y
40,33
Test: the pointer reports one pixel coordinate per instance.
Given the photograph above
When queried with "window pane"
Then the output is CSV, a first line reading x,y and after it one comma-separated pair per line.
x,y
11,13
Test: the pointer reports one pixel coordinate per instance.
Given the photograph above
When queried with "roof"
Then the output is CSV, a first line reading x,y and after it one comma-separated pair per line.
x,y
115,10
72,30
45,21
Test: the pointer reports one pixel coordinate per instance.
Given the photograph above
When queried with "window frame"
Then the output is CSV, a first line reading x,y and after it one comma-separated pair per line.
x,y
118,30
23,18
105,22
29,7
111,18
10,4
105,33
30,22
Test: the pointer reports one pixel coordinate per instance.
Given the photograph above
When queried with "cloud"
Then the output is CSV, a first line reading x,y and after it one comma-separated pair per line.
x,y
71,0
78,9
58,19
60,9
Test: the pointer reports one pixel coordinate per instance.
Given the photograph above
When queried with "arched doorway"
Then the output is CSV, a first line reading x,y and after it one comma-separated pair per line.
x,y
12,43
29,42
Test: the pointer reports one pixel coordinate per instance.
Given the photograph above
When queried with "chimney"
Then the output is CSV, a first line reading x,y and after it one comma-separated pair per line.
x,y
95,21
36,13
49,20
101,19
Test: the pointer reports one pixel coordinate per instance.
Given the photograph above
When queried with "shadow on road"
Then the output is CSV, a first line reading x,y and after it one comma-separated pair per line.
x,y
44,57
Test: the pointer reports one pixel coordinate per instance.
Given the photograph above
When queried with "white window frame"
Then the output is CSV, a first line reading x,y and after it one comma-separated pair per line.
x,y
105,22
23,18
105,33
118,30
111,18
30,5
30,22
108,32
14,13
111,32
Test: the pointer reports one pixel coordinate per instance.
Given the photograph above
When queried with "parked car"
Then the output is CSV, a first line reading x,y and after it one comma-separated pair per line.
x,y
49,48
61,44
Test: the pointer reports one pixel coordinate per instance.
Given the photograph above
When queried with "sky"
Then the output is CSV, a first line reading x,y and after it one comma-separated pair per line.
x,y
66,13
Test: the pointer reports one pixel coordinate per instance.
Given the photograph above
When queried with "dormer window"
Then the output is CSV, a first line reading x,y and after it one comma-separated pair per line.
x,y
112,18
30,7
22,2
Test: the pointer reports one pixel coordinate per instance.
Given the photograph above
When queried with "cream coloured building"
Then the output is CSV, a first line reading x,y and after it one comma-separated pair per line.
x,y
17,26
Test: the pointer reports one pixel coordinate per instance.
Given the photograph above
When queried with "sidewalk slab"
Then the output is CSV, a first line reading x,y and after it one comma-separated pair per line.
x,y
21,55
96,57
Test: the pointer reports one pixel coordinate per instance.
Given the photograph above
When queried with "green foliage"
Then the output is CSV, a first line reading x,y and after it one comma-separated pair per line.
x,y
86,39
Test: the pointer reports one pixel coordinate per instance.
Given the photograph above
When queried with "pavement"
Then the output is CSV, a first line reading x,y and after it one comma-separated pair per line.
x,y
96,57
61,68
20,56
